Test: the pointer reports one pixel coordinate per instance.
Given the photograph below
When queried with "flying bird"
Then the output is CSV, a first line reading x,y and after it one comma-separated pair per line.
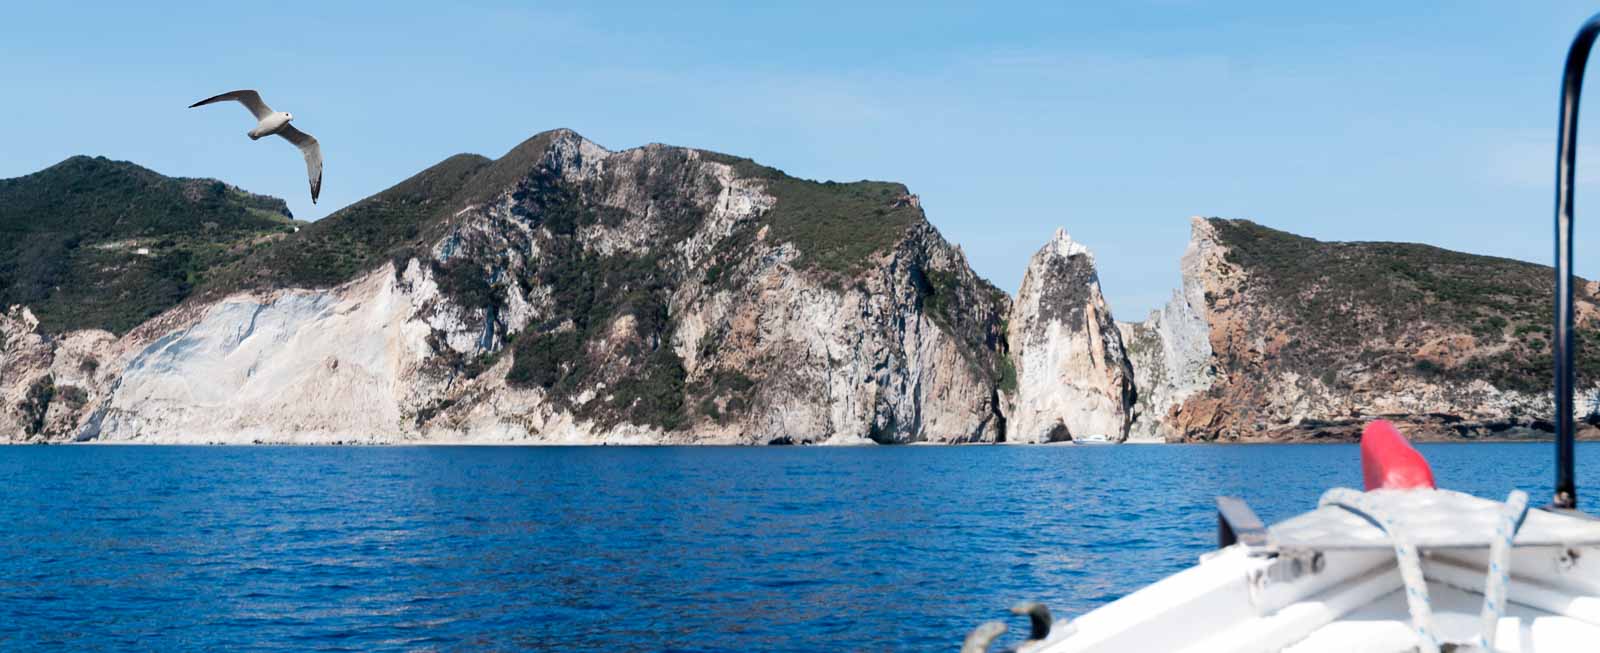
x,y
268,123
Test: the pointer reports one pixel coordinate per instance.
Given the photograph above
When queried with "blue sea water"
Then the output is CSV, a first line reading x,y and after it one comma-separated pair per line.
x,y
628,549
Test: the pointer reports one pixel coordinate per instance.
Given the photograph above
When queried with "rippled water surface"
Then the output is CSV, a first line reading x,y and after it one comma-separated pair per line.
x,y
704,549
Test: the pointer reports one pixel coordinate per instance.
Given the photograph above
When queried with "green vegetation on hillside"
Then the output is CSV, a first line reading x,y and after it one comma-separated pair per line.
x,y
1344,296
36,404
836,226
953,305
94,243
361,236
393,225
591,293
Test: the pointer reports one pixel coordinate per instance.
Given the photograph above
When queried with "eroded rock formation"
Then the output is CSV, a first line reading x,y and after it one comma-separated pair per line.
x,y
1307,339
1073,376
562,293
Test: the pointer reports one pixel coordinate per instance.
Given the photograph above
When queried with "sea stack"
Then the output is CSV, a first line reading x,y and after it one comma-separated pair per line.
x,y
1074,379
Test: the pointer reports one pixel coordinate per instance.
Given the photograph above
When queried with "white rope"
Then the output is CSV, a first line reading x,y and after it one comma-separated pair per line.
x,y
1499,574
1410,563
1405,553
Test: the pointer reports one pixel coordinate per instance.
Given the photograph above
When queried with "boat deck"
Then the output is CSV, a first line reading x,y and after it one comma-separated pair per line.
x,y
1329,580
1384,625
1434,519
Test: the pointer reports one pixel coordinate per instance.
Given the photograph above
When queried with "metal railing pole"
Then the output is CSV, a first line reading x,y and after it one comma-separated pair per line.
x,y
1566,491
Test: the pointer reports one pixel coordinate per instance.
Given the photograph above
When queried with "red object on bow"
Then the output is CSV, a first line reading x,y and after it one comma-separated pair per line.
x,y
1389,462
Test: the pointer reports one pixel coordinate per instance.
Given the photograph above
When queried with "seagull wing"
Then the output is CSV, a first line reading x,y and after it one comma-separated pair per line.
x,y
250,99
313,153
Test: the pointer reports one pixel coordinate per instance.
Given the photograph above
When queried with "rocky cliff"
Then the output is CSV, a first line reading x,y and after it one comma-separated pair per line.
x,y
1073,376
560,293
565,293
1170,352
1306,339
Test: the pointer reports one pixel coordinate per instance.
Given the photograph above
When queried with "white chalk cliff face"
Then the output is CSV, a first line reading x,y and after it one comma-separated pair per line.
x,y
1171,350
653,295
1073,377
290,365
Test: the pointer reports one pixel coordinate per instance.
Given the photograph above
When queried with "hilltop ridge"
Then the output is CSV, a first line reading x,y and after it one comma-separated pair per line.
x,y
1278,336
95,243
562,292
565,292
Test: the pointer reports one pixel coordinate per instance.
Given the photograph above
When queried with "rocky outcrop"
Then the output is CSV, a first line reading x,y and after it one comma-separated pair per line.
x,y
1305,339
563,293
1073,375
1170,351
716,321
48,383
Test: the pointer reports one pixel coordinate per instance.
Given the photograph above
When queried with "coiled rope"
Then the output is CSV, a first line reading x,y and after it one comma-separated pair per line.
x,y
1409,560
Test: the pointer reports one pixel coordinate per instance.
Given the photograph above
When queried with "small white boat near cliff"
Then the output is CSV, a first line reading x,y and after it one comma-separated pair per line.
x,y
1402,566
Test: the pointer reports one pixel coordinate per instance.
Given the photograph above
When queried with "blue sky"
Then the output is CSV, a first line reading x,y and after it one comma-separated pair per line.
x,y
1348,121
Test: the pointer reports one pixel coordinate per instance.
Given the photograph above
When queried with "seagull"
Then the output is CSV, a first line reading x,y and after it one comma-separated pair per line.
x,y
269,122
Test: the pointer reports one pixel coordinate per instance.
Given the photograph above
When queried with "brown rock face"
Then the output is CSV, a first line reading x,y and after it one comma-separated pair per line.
x,y
1310,339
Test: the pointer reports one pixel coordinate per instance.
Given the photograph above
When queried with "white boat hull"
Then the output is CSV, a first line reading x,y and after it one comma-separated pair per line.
x,y
1350,596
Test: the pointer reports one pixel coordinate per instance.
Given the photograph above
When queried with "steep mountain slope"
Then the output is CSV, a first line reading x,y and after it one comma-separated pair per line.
x,y
91,243
560,293
357,238
567,293
1308,338
1170,351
